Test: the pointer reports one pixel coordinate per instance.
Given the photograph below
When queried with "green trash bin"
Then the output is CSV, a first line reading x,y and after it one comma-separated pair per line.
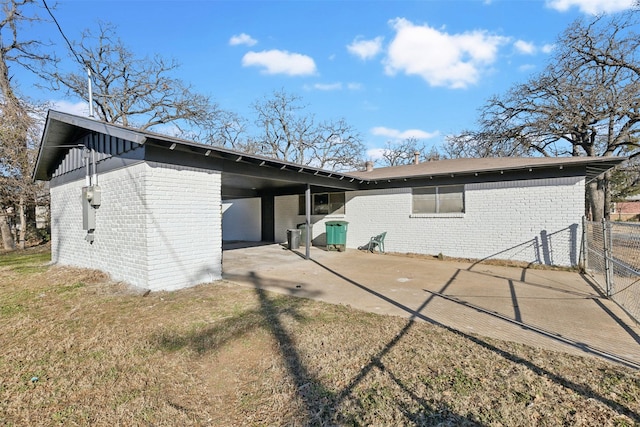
x,y
337,235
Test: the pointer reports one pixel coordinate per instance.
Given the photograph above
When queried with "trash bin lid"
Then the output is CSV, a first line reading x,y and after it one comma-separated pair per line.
x,y
334,223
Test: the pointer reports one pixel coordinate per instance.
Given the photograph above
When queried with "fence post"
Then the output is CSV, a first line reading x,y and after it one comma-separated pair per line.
x,y
585,245
606,252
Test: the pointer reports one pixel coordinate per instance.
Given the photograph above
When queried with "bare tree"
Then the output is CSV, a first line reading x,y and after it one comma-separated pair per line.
x,y
228,129
336,145
585,103
18,128
401,153
482,143
287,133
132,91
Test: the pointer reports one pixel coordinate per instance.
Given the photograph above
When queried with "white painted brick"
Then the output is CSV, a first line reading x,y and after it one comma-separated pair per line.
x,y
158,226
530,220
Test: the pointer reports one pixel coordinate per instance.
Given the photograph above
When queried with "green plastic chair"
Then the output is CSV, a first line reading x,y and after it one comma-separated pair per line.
x,y
377,241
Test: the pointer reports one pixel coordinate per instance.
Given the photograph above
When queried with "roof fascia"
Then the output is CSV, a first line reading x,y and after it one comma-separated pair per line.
x,y
98,126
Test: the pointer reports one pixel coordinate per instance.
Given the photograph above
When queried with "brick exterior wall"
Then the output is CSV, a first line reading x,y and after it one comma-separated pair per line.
x,y
158,226
534,221
241,220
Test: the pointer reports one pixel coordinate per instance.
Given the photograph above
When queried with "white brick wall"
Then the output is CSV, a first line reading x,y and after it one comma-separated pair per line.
x,y
184,231
158,226
120,236
286,214
529,220
241,219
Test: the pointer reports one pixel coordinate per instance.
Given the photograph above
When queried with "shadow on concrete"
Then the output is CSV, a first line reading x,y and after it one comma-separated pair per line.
x,y
580,389
229,245
529,282
596,297
517,316
548,334
619,321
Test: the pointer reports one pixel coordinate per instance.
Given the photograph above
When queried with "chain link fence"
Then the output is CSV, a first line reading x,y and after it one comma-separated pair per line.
x,y
611,255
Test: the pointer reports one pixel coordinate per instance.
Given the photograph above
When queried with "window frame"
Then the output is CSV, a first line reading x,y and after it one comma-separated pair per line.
x,y
331,200
438,200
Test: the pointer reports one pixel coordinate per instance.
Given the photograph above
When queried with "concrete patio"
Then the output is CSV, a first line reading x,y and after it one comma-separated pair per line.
x,y
556,310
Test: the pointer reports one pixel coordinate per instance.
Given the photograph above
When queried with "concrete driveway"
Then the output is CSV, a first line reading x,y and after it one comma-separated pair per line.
x,y
556,310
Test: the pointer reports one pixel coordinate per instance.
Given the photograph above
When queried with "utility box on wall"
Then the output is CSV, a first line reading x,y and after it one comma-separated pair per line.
x,y
91,199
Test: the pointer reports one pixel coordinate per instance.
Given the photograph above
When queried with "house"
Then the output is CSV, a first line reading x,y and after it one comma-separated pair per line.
x,y
626,210
153,210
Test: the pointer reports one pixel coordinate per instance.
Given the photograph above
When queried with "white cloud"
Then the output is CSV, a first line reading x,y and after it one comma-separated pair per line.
x,y
592,7
333,86
242,39
280,62
528,48
526,68
375,153
327,86
524,47
365,49
398,134
441,59
80,108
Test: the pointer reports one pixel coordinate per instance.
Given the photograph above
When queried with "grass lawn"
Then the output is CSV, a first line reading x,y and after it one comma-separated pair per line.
x,y
77,349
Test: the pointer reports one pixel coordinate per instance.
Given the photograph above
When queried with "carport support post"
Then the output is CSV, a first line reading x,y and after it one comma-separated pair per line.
x,y
585,245
608,277
307,211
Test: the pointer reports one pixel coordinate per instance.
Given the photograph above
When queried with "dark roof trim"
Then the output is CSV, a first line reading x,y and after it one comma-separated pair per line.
x,y
63,128
240,157
591,167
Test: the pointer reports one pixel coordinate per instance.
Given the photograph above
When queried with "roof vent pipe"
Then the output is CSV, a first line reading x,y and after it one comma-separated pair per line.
x,y
416,157
368,165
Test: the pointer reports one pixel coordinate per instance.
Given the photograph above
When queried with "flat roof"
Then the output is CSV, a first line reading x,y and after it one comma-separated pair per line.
x,y
465,166
62,129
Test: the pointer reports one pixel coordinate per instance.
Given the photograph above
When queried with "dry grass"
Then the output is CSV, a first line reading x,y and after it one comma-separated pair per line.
x,y
79,350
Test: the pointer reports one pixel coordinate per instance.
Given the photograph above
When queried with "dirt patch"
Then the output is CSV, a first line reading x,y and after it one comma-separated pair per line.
x,y
80,350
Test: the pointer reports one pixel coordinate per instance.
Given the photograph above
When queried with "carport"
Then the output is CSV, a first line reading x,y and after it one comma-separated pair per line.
x,y
263,178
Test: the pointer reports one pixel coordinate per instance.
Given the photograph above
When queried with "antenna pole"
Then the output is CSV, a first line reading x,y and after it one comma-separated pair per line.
x,y
90,92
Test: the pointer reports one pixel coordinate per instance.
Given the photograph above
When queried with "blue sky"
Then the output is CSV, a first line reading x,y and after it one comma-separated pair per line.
x,y
392,69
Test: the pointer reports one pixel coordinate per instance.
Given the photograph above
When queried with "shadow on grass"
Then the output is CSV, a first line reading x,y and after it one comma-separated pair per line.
x,y
580,389
211,339
321,405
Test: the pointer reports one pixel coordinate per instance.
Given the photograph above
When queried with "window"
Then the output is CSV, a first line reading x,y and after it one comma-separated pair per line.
x,y
323,204
445,199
